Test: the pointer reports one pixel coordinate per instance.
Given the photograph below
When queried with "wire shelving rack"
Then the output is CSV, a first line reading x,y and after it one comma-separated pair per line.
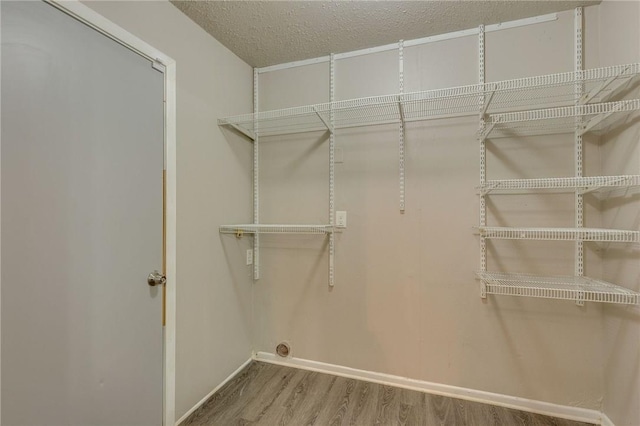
x,y
579,102
524,94
557,287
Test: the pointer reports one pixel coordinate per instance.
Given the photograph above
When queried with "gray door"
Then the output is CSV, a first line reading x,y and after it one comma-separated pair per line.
x,y
81,225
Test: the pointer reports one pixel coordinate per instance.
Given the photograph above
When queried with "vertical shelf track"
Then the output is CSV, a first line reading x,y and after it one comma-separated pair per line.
x,y
483,157
332,166
579,197
401,134
256,182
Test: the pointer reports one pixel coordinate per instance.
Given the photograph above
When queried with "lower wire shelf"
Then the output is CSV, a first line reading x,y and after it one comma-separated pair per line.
x,y
581,184
560,234
275,229
557,287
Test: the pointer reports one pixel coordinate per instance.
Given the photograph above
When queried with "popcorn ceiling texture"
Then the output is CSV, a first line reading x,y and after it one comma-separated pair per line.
x,y
264,33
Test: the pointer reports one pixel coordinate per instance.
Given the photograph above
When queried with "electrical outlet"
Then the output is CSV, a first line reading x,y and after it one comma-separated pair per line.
x,y
341,219
249,257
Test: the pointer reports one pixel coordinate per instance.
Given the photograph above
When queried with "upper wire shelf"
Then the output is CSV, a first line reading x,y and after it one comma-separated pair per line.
x,y
594,118
580,184
560,234
557,287
549,91
275,229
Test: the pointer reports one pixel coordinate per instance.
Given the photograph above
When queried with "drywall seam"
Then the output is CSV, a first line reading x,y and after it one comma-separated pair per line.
x,y
507,401
216,389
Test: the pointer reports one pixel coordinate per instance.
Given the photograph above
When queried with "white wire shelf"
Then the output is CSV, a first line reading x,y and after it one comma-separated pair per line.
x,y
599,85
595,118
554,90
557,287
581,184
275,229
560,234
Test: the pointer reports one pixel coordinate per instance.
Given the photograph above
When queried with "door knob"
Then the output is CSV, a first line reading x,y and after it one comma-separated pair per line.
x,y
156,278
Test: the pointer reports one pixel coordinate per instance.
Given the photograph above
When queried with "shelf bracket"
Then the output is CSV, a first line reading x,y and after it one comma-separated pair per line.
x,y
596,120
248,133
487,189
487,102
587,97
328,125
487,129
617,88
586,190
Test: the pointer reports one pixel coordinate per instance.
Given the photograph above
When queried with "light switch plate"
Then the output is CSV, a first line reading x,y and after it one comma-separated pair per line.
x,y
249,257
341,219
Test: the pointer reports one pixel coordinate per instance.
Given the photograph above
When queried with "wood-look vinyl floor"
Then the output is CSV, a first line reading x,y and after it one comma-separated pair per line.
x,y
267,394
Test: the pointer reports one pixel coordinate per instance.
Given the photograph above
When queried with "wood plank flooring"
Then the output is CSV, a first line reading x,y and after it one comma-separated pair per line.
x,y
267,394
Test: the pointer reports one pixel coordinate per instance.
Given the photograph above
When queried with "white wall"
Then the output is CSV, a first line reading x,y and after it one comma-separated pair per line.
x,y
620,43
405,300
214,183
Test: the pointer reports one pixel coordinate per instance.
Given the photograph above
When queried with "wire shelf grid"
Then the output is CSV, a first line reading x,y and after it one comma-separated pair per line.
x,y
275,229
528,93
589,183
557,287
600,84
560,234
596,118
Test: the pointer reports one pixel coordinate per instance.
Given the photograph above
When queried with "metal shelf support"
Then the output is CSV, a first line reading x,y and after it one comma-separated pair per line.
x,y
483,105
593,122
248,133
579,202
256,178
332,167
587,97
487,102
327,124
402,121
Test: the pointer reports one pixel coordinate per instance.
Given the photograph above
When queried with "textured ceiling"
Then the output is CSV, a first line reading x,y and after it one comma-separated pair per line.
x,y
272,32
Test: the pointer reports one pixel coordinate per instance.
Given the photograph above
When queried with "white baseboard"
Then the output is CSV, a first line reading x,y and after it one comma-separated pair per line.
x,y
606,421
530,405
210,394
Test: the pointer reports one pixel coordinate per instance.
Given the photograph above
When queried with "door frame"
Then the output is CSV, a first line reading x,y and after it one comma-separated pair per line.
x,y
101,24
